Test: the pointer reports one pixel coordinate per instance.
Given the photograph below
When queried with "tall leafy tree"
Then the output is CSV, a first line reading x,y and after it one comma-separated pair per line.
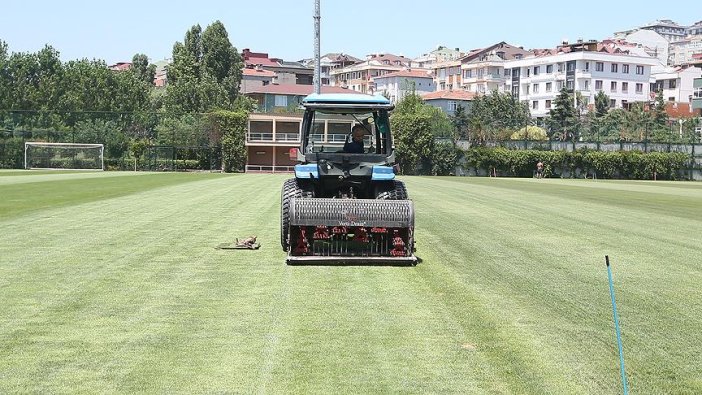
x,y
496,115
413,137
562,116
205,73
142,69
601,104
660,117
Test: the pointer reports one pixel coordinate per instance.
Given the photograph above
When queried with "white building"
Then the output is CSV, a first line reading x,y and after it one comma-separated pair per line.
x,y
538,79
439,55
651,42
398,84
675,82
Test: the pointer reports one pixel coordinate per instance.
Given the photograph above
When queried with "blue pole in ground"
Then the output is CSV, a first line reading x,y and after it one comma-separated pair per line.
x,y
616,326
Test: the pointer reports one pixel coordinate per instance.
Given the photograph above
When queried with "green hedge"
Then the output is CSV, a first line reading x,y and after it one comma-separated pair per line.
x,y
620,164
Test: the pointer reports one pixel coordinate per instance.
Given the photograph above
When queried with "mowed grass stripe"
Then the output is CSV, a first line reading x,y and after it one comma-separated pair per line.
x,y
149,304
48,191
529,251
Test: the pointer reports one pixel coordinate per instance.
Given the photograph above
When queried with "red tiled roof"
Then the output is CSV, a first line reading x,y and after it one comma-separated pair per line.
x,y
407,73
449,95
294,89
258,73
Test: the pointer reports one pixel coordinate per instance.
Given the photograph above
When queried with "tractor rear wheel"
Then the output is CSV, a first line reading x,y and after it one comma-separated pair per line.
x,y
291,189
393,190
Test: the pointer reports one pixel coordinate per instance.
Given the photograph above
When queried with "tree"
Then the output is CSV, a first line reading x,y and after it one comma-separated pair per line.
x,y
496,116
142,69
562,116
413,137
460,123
601,104
660,116
205,73
444,158
533,133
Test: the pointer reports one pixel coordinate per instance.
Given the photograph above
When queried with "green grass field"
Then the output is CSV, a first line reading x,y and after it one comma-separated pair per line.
x,y
110,282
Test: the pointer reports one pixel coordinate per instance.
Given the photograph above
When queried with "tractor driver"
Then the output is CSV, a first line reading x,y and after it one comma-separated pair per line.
x,y
355,146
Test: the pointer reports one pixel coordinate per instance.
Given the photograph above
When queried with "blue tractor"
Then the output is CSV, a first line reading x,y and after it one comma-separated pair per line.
x,y
344,204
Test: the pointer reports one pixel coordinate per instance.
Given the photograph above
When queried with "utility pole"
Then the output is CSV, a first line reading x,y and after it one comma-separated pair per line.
x,y
317,80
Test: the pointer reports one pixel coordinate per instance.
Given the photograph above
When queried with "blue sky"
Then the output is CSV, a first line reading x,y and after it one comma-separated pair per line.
x,y
115,31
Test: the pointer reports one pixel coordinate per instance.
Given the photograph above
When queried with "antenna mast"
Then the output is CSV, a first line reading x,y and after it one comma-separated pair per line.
x,y
317,80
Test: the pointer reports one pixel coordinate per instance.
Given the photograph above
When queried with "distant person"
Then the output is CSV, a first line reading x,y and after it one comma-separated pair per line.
x,y
540,169
355,146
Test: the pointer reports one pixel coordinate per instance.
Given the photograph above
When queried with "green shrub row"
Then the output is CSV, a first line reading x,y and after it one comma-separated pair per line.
x,y
619,164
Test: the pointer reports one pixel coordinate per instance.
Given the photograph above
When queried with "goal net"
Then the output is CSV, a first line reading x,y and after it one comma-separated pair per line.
x,y
65,156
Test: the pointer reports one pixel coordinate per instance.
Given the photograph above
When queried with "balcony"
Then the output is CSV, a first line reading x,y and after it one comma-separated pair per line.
x,y
271,138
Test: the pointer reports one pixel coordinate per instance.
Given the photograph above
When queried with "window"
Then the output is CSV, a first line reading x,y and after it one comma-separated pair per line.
x,y
613,86
570,66
599,66
625,68
614,67
452,105
672,84
612,103
548,86
598,85
548,104
625,104
549,69
697,94
639,70
536,88
671,98
625,87
528,71
587,66
570,84
508,72
527,89
535,105
587,85
281,101
559,85
536,70
639,88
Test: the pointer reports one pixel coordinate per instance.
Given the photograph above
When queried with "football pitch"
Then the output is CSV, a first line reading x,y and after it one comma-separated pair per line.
x,y
111,283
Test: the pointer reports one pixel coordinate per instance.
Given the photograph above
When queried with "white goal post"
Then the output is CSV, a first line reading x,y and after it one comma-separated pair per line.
x,y
63,156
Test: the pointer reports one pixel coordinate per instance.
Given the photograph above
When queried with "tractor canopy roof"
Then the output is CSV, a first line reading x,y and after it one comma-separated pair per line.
x,y
346,102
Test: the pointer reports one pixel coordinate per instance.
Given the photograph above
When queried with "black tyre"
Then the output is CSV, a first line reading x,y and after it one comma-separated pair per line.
x,y
392,190
291,189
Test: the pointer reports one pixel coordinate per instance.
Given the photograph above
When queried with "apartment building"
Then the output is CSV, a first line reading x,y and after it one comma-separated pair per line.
x,y
697,96
587,67
286,72
482,71
676,83
447,75
398,84
359,76
686,51
439,55
329,62
670,30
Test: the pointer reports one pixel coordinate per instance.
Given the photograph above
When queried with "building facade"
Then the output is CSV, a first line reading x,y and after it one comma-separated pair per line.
x,y
359,77
329,62
439,55
286,72
538,79
254,78
396,85
482,71
448,101
676,83
686,51
697,96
